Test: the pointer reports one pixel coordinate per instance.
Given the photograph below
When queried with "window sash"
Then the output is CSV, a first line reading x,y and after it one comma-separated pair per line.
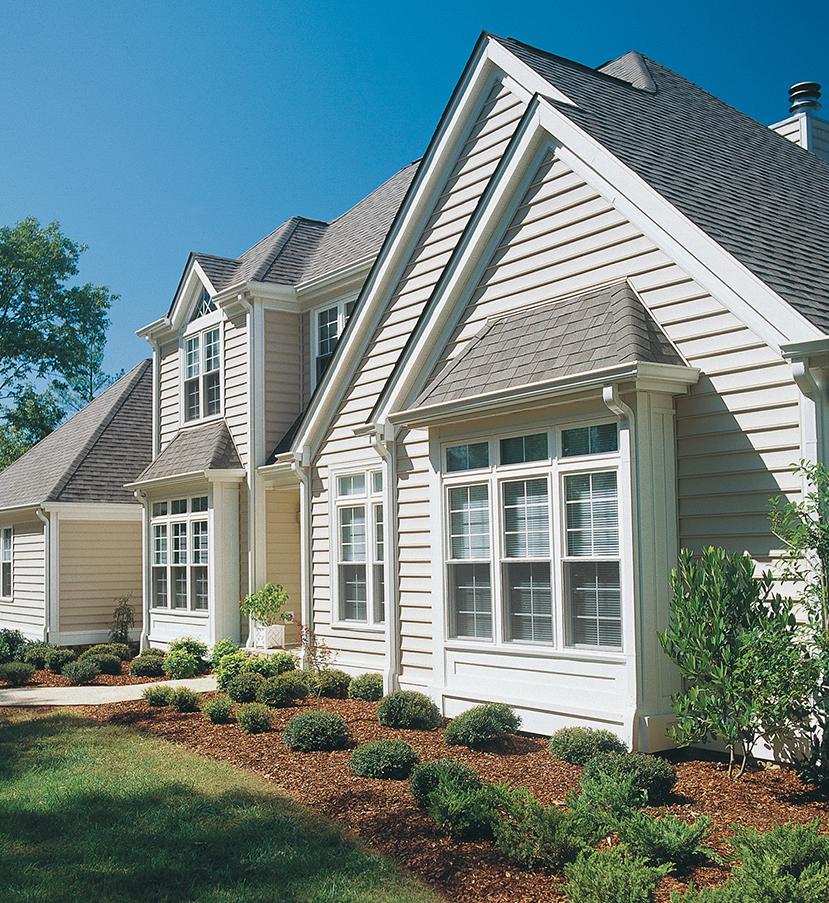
x,y
180,575
202,374
6,566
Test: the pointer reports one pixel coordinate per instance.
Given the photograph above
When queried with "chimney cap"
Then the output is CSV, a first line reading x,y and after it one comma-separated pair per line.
x,y
804,97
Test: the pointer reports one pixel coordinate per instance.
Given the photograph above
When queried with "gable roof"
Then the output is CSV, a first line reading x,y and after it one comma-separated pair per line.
x,y
759,196
556,339
195,449
91,456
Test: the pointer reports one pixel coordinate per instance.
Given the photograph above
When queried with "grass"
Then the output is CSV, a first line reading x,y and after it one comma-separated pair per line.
x,y
100,812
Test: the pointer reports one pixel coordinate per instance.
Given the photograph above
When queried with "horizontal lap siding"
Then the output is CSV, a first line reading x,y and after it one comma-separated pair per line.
x,y
168,392
283,546
476,164
236,383
99,562
27,610
282,374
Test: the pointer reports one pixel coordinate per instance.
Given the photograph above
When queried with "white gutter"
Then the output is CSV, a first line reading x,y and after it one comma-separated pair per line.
x,y
300,466
48,615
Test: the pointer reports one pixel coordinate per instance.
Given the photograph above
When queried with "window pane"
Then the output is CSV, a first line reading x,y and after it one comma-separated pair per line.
x,y
191,357
379,593
180,506
353,484
326,331
160,544
595,601
378,532
198,578
204,307
518,449
179,587
526,519
199,503
6,580
160,588
192,396
377,481
200,542
159,509
353,534
469,521
467,457
353,592
529,602
470,589
211,350
592,515
590,440
349,309
7,543
179,543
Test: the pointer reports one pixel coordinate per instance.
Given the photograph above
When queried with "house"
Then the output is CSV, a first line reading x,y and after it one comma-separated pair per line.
x,y
70,533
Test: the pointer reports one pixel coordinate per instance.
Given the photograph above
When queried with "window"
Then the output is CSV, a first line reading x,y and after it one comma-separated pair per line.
x,y
328,325
202,377
506,566
6,556
180,554
206,305
360,547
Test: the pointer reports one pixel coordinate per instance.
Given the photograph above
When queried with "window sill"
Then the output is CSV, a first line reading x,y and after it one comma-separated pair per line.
x,y
550,652
179,611
359,626
185,424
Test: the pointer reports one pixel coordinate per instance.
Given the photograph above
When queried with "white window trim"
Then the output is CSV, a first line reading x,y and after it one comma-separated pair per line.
x,y
199,327
554,468
340,304
10,597
368,499
189,518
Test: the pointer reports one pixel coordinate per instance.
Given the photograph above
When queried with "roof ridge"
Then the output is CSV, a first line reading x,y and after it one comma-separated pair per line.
x,y
215,256
136,373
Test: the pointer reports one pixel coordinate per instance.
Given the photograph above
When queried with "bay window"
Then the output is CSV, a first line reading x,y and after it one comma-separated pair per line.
x,y
532,538
180,554
6,556
202,374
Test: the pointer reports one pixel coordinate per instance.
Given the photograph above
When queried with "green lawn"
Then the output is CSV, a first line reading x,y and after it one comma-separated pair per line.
x,y
93,813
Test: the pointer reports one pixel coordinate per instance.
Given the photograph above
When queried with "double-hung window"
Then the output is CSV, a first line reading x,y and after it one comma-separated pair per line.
x,y
180,554
328,325
6,562
360,547
202,374
513,575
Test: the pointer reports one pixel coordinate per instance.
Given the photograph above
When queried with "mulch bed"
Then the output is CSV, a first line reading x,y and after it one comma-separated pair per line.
x,y
48,679
384,816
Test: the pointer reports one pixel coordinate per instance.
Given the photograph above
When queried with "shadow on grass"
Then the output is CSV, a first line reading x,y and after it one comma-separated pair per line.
x,y
100,813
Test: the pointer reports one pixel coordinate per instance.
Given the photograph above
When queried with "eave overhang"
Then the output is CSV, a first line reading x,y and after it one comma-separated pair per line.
x,y
209,475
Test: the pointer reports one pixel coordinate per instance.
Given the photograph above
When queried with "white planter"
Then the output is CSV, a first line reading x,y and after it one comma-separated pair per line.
x,y
265,637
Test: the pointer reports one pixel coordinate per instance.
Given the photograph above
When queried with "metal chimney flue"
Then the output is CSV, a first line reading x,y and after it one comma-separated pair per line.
x,y
804,97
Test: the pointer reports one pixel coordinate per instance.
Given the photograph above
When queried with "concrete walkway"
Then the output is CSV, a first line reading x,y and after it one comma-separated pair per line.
x,y
13,696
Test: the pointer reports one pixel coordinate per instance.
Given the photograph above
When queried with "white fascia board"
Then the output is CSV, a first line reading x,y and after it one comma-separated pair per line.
x,y
799,351
225,475
523,80
153,332
127,511
280,475
148,485
193,277
334,282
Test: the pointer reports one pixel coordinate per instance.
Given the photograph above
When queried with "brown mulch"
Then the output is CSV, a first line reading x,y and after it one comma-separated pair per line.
x,y
48,679
384,816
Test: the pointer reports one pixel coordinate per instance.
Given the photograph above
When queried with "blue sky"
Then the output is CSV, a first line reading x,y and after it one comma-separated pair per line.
x,y
152,129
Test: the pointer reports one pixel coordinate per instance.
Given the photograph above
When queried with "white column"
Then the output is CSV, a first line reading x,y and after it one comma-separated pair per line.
x,y
223,562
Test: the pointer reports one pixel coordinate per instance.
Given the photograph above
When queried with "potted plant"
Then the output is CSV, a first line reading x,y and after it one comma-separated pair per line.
x,y
266,610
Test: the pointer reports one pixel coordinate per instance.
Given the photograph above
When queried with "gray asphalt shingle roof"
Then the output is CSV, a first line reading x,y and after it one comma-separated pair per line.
x,y
91,456
195,448
587,332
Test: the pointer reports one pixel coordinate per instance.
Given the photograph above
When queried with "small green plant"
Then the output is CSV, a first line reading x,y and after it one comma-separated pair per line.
x,y
81,672
578,744
254,718
13,645
56,659
611,876
463,813
392,759
195,647
35,655
295,683
316,655
668,839
179,664
482,724
123,620
331,683
184,700
157,696
425,778
651,774
602,802
266,605
221,649
368,687
532,835
245,686
408,709
270,665
107,664
121,650
218,709
16,673
310,731
274,691
229,666
146,665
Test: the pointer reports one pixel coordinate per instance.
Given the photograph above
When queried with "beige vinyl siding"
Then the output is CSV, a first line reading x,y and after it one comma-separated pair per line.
x,y
236,382
820,138
27,610
283,548
361,649
283,374
169,392
305,355
99,562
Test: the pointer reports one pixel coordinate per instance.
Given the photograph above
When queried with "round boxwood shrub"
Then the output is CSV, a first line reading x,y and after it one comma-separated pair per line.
x,y
368,687
408,709
157,696
146,665
184,699
270,665
13,645
254,718
425,778
279,691
35,655
179,663
245,686
481,725
220,650
122,650
296,683
81,672
229,666
652,775
217,709
151,650
56,659
310,731
107,664
577,745
392,759
16,673
332,683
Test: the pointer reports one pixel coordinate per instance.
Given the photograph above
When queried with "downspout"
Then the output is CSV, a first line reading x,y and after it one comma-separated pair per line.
x,y
300,466
146,589
384,443
811,427
47,574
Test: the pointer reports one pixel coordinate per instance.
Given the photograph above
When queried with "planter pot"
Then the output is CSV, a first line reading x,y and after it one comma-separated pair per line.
x,y
266,637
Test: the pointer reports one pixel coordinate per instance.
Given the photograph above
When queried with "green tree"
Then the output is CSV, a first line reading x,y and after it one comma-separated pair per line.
x,y
31,417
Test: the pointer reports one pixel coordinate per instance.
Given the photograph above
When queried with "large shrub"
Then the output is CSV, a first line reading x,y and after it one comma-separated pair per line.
x,y
270,665
611,876
107,663
408,709
35,655
463,813
146,665
481,725
254,718
56,659
16,673
392,759
157,696
245,686
425,778
667,840
229,666
180,663
218,709
368,687
184,700
331,682
310,731
295,683
652,775
81,672
220,650
121,650
13,646
280,691
578,744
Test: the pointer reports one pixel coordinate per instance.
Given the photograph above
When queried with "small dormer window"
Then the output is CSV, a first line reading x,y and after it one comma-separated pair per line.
x,y
328,326
206,305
